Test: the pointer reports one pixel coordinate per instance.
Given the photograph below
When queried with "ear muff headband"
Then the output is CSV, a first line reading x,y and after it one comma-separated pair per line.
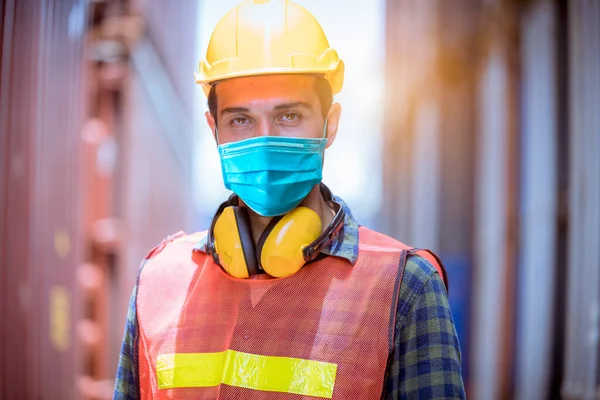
x,y
337,223
263,238
245,234
312,251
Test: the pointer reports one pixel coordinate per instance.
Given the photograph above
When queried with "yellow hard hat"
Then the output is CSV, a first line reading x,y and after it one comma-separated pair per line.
x,y
261,37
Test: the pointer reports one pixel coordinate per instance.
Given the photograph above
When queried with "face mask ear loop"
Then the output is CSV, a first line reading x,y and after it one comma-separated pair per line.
x,y
217,135
324,137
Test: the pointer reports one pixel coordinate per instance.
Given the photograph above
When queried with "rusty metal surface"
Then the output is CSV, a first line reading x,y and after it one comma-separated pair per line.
x,y
41,105
88,183
6,31
16,189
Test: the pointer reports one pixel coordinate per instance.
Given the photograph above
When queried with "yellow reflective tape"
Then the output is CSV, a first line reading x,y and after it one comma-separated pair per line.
x,y
189,370
252,371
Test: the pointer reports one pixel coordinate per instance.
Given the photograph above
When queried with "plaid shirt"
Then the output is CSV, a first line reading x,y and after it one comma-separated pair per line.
x,y
425,362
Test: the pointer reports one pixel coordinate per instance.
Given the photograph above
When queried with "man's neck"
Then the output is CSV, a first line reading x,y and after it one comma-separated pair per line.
x,y
314,201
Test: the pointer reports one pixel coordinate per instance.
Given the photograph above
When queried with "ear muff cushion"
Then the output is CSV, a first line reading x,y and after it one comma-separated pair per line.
x,y
233,243
281,253
243,227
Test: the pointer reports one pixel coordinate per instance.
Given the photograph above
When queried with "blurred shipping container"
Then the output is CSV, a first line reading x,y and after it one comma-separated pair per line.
x,y
42,107
491,159
96,167
490,155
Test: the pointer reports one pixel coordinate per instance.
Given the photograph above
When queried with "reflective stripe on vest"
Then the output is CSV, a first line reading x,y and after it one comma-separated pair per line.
x,y
201,331
252,371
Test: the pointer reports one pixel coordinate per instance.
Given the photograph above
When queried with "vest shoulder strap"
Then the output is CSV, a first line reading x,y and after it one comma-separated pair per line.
x,y
374,240
172,263
193,239
435,261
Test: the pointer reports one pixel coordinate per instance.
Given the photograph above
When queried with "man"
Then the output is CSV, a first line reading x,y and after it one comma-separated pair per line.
x,y
285,295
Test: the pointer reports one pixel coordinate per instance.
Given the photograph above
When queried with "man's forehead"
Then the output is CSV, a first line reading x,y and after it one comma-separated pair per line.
x,y
266,88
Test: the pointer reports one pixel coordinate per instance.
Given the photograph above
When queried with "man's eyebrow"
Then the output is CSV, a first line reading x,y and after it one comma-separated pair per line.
x,y
294,104
234,110
283,106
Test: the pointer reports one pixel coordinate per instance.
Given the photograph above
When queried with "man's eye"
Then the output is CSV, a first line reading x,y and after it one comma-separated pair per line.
x,y
240,121
290,117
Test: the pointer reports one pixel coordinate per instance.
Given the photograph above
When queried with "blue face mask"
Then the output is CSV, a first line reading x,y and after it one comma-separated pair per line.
x,y
272,174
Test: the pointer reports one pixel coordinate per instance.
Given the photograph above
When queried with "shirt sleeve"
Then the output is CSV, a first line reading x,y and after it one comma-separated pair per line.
x,y
425,362
126,383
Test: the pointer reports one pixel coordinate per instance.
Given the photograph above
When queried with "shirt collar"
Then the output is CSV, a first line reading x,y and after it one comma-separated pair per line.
x,y
344,245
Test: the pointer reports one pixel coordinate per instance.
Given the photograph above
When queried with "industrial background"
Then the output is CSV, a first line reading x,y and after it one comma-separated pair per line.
x,y
472,126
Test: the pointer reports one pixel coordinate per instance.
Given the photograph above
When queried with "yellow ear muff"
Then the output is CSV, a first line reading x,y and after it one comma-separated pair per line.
x,y
281,253
229,245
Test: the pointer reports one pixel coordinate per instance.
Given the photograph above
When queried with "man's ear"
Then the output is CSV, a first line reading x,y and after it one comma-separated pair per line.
x,y
333,120
211,124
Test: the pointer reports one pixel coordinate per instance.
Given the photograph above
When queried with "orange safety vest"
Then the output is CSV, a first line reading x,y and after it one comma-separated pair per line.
x,y
324,332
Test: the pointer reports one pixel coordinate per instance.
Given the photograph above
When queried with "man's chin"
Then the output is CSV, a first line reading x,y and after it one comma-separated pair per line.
x,y
306,202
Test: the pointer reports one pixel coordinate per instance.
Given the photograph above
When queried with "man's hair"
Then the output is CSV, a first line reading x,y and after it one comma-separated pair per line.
x,y
321,86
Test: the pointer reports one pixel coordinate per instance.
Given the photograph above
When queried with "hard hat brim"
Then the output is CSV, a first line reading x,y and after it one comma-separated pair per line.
x,y
334,77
